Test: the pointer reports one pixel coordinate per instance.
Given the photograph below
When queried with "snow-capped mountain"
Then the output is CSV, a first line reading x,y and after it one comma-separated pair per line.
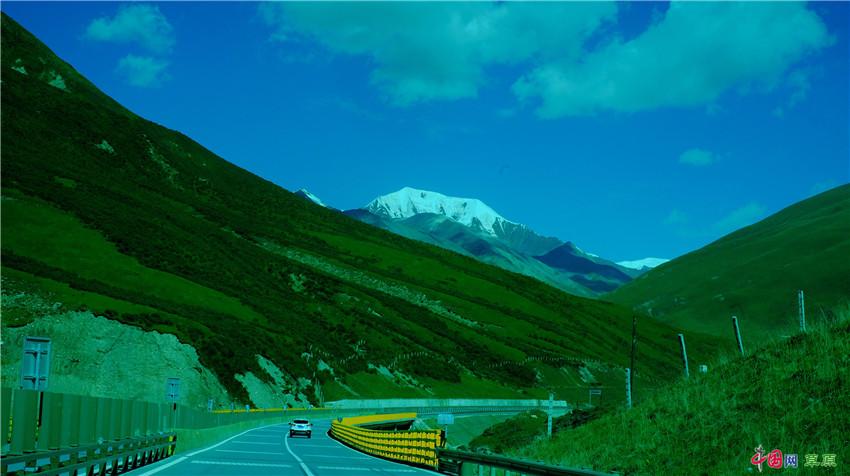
x,y
470,212
304,193
643,263
410,201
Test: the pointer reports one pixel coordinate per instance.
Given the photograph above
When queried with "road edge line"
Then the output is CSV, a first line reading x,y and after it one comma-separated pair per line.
x,y
300,461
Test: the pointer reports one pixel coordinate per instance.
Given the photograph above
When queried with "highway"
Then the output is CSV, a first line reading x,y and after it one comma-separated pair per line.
x,y
270,451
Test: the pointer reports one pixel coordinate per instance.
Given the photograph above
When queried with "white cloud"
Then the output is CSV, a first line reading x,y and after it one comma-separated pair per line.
x,y
426,51
695,53
822,186
676,217
142,71
739,218
697,157
142,24
688,56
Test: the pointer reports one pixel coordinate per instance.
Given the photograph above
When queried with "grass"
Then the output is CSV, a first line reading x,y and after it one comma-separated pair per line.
x,y
789,394
466,427
43,232
158,232
755,272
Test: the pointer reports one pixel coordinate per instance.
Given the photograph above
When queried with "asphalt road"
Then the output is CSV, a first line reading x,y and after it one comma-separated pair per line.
x,y
270,451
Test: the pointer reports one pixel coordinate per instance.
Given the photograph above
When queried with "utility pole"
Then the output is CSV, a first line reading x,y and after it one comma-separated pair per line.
x,y
684,354
628,388
549,420
737,335
801,304
630,372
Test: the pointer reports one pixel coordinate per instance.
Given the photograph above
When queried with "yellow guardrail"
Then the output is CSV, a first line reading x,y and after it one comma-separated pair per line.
x,y
367,419
412,447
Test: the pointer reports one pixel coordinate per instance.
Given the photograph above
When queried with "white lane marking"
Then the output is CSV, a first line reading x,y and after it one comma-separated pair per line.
x,y
255,442
251,452
344,468
183,458
160,468
415,470
232,463
225,441
304,467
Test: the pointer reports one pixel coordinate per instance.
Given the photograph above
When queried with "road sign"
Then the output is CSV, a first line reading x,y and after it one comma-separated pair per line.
x,y
596,391
35,365
172,389
445,419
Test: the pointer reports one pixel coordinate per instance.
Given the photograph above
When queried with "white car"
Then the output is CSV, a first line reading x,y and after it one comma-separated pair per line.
x,y
300,427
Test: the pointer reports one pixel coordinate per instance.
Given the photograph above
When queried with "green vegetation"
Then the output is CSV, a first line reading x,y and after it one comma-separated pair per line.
x,y
466,427
755,273
515,432
509,435
107,211
790,394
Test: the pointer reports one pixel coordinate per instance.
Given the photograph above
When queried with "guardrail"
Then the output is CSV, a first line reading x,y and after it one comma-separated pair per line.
x,y
411,447
426,448
461,463
58,428
93,460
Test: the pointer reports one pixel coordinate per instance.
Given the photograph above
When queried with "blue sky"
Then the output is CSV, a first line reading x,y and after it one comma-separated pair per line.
x,y
632,129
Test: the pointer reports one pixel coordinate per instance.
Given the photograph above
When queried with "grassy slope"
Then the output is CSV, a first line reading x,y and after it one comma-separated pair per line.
x,y
790,394
755,272
161,233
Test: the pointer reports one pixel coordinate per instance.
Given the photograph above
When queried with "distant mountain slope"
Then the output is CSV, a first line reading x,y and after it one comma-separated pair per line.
x,y
595,273
305,194
755,272
444,232
645,263
471,227
471,212
108,212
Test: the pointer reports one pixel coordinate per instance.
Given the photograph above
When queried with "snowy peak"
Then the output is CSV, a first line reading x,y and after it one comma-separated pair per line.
x,y
408,202
304,193
643,263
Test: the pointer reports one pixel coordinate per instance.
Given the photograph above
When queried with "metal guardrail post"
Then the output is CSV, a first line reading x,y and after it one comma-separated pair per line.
x,y
5,414
51,422
83,424
138,420
25,418
103,423
466,464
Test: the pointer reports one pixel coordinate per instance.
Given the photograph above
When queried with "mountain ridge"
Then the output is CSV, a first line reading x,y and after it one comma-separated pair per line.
x,y
803,246
107,212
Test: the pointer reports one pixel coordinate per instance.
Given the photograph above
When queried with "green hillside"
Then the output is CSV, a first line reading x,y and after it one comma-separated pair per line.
x,y
755,273
106,211
791,395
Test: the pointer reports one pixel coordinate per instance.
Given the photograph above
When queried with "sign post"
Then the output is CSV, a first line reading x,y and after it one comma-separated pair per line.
x,y
593,391
628,388
801,303
684,354
549,419
35,365
738,335
172,394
